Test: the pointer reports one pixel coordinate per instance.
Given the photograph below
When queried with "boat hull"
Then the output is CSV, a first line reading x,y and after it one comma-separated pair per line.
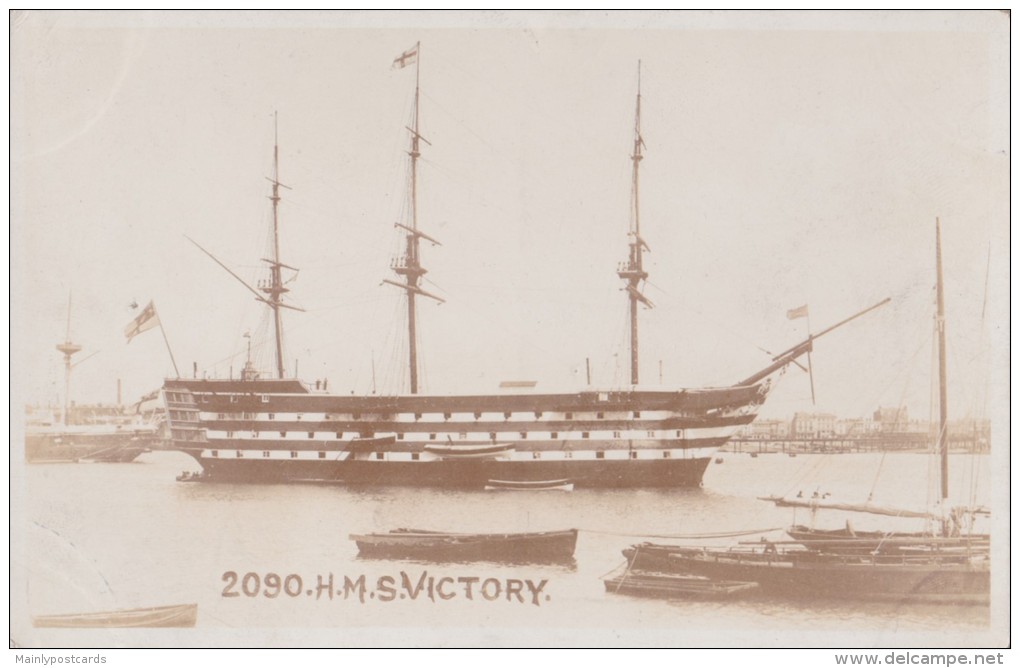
x,y
656,585
875,542
170,616
278,431
846,576
114,447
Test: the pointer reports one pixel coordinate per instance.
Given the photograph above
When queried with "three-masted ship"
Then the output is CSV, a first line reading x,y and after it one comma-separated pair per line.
x,y
272,429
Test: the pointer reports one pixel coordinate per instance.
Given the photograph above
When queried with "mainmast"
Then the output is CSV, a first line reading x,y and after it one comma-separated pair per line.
x,y
632,271
274,289
408,265
940,325
269,292
68,349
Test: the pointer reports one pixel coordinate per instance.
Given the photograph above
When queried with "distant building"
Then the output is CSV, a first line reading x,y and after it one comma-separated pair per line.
x,y
888,428
768,430
813,425
856,427
893,418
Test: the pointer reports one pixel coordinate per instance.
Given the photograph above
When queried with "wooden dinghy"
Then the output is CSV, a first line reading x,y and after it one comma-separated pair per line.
x,y
561,485
485,451
443,546
168,616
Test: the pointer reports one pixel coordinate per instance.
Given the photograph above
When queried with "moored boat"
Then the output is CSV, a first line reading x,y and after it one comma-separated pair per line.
x,y
671,585
801,573
482,451
89,433
561,485
169,616
944,565
542,546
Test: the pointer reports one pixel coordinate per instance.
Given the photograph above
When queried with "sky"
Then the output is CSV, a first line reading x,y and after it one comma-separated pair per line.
x,y
791,159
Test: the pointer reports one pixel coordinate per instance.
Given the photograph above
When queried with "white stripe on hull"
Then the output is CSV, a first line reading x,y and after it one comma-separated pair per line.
x,y
545,456
415,438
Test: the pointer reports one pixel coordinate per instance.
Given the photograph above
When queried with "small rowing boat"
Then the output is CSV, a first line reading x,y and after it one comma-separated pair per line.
x,y
562,485
168,616
485,451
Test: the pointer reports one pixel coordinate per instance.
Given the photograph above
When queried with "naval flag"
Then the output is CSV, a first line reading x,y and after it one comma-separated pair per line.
x,y
406,58
799,312
143,322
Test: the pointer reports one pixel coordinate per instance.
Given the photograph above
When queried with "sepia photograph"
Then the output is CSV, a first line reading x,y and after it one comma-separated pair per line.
x,y
492,329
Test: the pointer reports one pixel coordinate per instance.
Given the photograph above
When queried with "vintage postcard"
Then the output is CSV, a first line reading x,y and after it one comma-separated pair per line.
x,y
499,329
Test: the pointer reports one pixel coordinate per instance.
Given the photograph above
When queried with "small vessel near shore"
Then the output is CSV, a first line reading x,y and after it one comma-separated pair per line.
x,y
947,563
561,485
932,577
545,546
75,433
168,616
671,585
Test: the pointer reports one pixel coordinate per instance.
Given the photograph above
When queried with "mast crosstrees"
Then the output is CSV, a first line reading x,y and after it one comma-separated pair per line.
x,y
632,270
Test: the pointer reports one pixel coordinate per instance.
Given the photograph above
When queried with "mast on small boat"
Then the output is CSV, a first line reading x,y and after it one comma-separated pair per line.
x,y
68,349
409,264
632,271
940,326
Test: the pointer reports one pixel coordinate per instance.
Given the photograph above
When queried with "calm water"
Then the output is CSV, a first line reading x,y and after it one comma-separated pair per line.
x,y
108,536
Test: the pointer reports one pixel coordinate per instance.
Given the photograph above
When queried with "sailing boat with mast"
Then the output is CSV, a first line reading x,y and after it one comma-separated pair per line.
x,y
946,565
279,429
947,522
94,433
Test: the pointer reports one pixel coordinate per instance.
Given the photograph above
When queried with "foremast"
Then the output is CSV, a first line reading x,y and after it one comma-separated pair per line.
x,y
408,266
632,270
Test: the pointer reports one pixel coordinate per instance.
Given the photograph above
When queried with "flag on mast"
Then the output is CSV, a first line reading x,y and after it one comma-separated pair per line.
x,y
799,312
143,322
406,58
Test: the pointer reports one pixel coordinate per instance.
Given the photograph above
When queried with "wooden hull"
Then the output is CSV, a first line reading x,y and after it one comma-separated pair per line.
x,y
547,546
562,485
171,616
656,585
868,542
112,447
279,431
834,576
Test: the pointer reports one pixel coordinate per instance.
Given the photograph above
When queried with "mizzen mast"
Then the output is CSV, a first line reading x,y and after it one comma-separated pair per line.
x,y
632,270
408,265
